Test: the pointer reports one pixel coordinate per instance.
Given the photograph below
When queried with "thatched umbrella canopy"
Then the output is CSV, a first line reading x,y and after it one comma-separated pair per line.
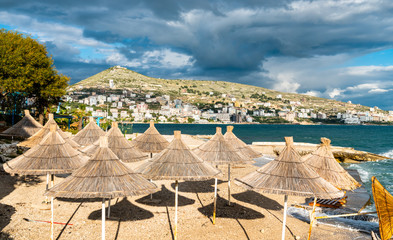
x,y
289,175
239,145
125,150
52,155
218,151
25,128
177,162
323,162
151,141
88,135
103,176
384,205
38,136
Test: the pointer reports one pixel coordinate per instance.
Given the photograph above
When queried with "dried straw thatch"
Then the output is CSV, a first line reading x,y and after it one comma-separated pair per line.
x,y
125,150
218,151
177,162
151,140
323,162
25,128
384,205
52,155
38,136
288,174
103,176
239,145
88,135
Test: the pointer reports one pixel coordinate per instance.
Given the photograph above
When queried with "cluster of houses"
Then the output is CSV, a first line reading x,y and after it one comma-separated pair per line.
x,y
135,107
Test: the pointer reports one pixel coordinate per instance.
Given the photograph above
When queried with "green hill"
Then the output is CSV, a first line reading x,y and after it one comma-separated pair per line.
x,y
194,91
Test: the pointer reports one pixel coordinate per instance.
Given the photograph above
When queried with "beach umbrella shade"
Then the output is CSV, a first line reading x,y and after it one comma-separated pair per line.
x,y
239,145
51,156
218,151
384,205
151,141
104,176
124,149
88,135
289,175
323,162
25,128
177,162
38,136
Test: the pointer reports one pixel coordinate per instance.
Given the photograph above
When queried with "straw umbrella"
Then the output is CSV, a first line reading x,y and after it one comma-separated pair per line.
x,y
25,128
177,162
151,141
38,136
217,151
239,145
88,135
51,156
125,150
289,175
103,176
323,162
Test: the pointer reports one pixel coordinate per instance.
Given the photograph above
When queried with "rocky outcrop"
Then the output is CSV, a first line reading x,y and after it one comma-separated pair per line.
x,y
342,154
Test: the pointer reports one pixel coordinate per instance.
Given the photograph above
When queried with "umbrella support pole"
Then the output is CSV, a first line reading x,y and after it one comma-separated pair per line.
x,y
176,203
52,180
103,220
215,201
312,217
109,208
229,185
47,187
151,194
51,221
285,217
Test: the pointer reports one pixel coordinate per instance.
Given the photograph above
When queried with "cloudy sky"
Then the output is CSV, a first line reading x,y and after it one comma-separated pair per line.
x,y
333,49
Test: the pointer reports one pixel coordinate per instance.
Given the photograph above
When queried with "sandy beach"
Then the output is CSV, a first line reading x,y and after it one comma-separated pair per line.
x,y
252,216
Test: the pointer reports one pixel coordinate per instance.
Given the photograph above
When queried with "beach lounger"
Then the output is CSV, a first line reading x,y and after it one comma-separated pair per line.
x,y
330,203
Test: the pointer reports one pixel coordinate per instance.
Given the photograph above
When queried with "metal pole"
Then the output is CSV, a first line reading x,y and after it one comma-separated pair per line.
x,y
229,184
47,187
285,217
345,215
176,202
52,176
215,201
151,194
312,218
103,220
109,207
51,222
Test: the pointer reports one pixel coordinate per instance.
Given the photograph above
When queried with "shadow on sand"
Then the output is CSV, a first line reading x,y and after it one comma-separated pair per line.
x,y
235,211
257,199
125,211
165,198
197,186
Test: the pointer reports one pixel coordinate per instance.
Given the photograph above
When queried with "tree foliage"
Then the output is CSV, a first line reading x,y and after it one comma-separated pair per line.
x,y
26,71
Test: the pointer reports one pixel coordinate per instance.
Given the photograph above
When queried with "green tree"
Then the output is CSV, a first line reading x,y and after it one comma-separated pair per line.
x,y
26,71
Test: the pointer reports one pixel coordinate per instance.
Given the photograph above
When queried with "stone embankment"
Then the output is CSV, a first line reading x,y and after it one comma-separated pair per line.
x,y
342,154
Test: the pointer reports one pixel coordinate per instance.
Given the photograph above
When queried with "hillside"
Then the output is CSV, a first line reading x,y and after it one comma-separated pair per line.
x,y
207,91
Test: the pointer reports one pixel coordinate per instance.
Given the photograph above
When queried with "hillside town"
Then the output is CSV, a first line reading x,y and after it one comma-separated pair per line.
x,y
137,106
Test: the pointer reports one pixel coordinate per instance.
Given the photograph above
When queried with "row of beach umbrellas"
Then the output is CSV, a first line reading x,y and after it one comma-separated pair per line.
x,y
105,175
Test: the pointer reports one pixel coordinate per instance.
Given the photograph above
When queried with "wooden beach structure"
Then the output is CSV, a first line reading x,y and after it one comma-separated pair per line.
x,y
239,145
25,128
38,136
177,162
151,141
51,156
218,151
104,176
323,162
90,134
289,175
384,205
124,149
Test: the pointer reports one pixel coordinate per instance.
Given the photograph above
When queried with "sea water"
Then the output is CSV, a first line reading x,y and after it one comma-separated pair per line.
x,y
374,139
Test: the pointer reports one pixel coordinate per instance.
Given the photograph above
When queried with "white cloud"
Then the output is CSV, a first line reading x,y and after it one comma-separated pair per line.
x,y
335,92
167,58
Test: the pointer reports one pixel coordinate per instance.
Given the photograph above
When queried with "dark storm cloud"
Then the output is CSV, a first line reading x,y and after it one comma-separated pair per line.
x,y
224,40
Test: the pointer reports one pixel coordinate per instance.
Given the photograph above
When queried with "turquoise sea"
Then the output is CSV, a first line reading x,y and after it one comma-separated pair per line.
x,y
375,139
